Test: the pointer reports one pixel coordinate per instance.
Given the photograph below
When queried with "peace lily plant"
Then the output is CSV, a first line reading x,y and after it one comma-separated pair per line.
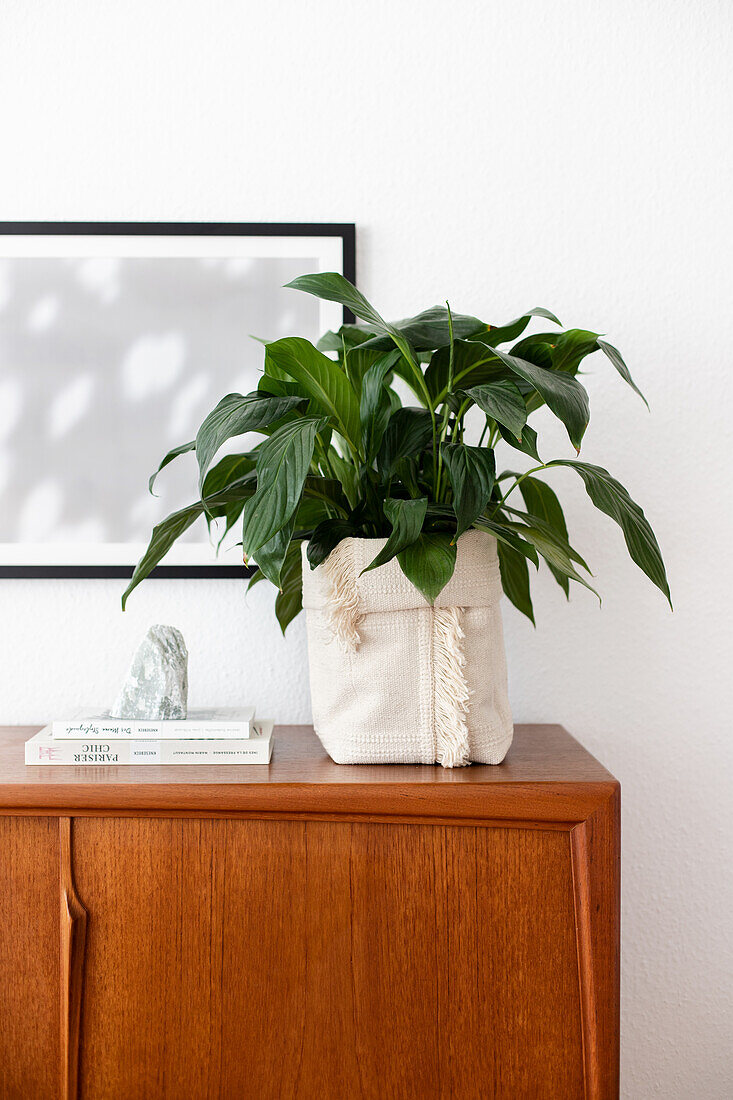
x,y
342,456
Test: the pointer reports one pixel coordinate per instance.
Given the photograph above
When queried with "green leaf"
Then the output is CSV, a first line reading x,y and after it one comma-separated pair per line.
x,y
571,348
333,287
357,362
506,532
322,379
515,579
375,408
406,517
501,334
163,537
235,415
430,329
348,336
429,563
408,433
326,536
614,355
557,553
536,349
541,501
609,496
172,527
289,600
473,363
503,402
472,472
271,555
527,444
231,468
282,465
564,394
182,450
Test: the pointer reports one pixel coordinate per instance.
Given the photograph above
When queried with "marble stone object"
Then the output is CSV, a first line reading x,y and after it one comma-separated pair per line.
x,y
157,683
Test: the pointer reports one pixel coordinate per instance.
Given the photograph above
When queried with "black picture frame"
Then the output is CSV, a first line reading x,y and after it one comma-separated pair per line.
x,y
345,230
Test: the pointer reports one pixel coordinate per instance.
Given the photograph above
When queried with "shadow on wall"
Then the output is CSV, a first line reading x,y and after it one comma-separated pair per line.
x,y
105,364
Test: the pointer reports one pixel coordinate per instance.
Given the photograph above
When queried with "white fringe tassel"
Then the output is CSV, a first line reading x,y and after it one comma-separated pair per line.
x,y
450,689
343,608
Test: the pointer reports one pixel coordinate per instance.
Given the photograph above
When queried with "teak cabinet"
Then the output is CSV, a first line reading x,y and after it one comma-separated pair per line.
x,y
306,930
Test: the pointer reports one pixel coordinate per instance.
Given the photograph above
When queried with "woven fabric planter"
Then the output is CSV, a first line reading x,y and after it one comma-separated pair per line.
x,y
395,680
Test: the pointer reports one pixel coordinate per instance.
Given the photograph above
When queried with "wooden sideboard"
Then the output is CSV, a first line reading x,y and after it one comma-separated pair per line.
x,y
308,930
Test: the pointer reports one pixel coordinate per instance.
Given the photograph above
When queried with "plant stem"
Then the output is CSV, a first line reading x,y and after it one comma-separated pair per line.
x,y
517,482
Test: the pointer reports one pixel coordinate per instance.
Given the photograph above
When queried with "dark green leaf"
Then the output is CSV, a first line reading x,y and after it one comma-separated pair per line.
x,y
406,517
163,537
235,415
231,468
280,387
348,336
282,465
503,402
614,355
182,450
333,287
326,536
571,348
501,334
289,600
564,394
472,472
474,363
429,563
515,579
505,531
375,407
356,364
542,502
557,554
536,349
527,444
271,555
322,379
429,329
609,496
172,527
408,433
328,490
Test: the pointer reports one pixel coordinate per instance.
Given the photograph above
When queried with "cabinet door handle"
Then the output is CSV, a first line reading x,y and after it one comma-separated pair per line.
x,y
73,929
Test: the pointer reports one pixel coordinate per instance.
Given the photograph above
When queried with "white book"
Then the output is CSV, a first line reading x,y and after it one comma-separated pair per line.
x,y
221,723
44,749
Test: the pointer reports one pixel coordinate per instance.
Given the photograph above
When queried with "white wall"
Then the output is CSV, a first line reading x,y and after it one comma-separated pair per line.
x,y
573,155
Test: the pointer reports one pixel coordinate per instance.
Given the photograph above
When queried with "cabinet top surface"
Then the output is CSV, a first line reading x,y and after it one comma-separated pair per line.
x,y
545,765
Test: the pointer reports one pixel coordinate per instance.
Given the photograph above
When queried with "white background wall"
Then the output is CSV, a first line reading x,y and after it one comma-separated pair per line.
x,y
572,155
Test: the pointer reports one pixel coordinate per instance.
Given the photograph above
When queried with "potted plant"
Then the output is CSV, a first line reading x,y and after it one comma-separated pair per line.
x,y
395,531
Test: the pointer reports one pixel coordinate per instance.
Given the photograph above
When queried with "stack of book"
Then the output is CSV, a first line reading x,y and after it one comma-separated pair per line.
x,y
223,736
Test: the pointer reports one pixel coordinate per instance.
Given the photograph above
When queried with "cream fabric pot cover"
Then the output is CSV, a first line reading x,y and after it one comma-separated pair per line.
x,y
395,680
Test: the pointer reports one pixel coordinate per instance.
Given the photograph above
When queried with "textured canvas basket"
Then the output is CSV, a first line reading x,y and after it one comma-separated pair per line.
x,y
395,680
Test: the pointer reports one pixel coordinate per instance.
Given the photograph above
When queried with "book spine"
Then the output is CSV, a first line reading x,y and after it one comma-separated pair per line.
x,y
110,753
104,730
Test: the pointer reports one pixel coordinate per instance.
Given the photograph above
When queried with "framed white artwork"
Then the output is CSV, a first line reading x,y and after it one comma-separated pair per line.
x,y
116,339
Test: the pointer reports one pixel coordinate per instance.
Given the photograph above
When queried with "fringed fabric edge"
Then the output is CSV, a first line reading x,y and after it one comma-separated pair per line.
x,y
343,610
450,689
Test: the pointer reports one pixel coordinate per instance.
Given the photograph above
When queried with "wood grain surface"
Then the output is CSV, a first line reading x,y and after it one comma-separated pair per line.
x,y
309,930
281,959
547,776
29,958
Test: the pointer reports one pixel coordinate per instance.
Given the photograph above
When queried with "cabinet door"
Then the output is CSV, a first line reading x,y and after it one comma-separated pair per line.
x,y
29,957
284,959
